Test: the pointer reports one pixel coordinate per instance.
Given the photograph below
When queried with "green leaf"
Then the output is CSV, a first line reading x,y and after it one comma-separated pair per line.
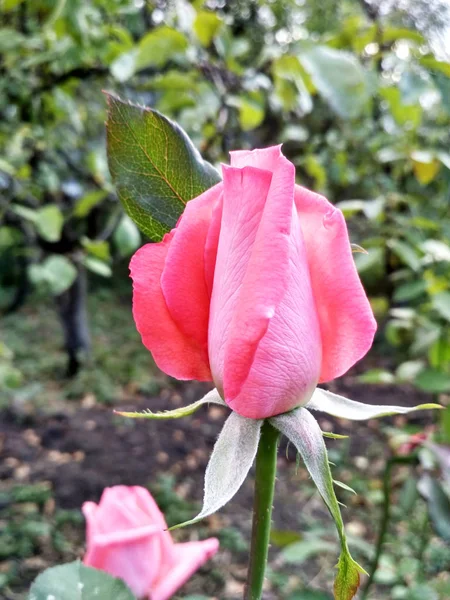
x,y
425,165
126,236
57,272
97,248
9,237
441,303
155,49
435,65
410,290
154,165
298,552
49,223
159,46
291,84
124,66
212,396
48,220
10,39
5,166
74,581
442,82
8,5
339,78
438,505
409,370
301,428
370,263
206,26
284,537
315,169
433,381
406,253
97,266
381,376
89,201
251,109
347,580
404,114
391,34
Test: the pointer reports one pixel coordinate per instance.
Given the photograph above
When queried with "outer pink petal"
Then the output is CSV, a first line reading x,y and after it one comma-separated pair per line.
x,y
245,192
346,319
286,364
175,353
189,557
212,243
118,510
89,510
184,280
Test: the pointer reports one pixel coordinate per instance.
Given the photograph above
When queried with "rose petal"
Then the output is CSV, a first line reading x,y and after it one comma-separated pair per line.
x,y
212,243
245,192
184,279
129,528
262,158
271,345
286,364
346,320
174,352
188,558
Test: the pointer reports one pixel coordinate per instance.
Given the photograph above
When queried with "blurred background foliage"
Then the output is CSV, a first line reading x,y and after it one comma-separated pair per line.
x,y
358,92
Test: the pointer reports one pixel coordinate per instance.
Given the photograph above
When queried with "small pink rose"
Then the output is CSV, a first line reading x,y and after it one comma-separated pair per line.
x,y
255,289
127,537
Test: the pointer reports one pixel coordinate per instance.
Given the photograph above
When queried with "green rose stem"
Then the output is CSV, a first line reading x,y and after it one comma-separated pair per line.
x,y
266,468
385,515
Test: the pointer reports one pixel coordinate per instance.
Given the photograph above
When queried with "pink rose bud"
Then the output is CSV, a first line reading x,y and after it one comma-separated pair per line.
x,y
255,289
127,537
414,441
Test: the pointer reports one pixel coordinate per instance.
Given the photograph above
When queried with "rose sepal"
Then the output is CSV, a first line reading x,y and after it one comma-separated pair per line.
x,y
211,397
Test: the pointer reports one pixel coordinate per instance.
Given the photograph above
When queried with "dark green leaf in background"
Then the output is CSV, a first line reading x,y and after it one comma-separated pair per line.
x,y
154,166
126,237
433,381
74,581
441,303
48,220
438,505
56,272
299,552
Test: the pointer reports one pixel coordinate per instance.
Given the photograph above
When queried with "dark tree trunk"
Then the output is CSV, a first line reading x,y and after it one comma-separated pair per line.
x,y
72,309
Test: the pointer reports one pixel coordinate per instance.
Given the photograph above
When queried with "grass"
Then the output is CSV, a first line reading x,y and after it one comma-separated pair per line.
x,y
118,366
